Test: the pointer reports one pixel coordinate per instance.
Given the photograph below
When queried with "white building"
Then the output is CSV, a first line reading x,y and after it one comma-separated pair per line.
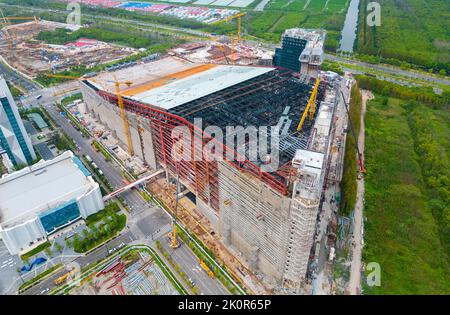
x,y
40,199
13,136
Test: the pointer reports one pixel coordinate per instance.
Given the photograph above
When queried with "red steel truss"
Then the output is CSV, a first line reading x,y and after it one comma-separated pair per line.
x,y
200,176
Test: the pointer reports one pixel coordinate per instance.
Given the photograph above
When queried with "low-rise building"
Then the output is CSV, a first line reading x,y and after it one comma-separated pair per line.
x,y
40,199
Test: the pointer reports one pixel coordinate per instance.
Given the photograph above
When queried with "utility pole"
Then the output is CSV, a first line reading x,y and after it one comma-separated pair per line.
x,y
175,244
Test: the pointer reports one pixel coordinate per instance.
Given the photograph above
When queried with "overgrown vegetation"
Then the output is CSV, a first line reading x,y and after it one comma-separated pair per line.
x,y
402,197
62,36
268,25
350,169
329,65
412,33
431,143
423,95
70,99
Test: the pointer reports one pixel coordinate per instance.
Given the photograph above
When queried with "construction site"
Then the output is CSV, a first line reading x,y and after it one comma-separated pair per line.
x,y
22,51
135,273
223,51
260,222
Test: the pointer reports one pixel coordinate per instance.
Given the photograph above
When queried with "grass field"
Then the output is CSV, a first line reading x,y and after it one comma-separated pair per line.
x,y
295,5
401,233
277,4
316,5
288,20
336,5
280,15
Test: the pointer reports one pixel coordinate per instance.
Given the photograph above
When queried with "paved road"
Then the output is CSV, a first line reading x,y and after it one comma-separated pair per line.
x,y
355,268
391,70
83,262
16,79
186,258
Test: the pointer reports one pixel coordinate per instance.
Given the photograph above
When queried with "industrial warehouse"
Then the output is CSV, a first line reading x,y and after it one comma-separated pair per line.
x,y
267,220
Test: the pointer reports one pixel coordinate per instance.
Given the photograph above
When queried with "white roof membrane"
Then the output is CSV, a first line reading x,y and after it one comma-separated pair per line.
x,y
198,85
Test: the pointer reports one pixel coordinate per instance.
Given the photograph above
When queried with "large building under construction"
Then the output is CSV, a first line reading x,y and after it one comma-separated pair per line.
x,y
266,217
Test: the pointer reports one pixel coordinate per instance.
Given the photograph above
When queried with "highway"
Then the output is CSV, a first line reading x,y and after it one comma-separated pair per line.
x,y
16,79
193,270
83,262
390,70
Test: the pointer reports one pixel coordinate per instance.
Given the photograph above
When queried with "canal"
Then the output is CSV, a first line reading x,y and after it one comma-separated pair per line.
x,y
348,34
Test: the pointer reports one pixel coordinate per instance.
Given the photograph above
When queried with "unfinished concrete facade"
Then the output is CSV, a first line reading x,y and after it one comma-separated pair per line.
x,y
266,219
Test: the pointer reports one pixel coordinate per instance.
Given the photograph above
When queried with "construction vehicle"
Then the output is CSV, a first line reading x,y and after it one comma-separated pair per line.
x,y
361,170
64,277
119,102
94,146
311,106
238,16
206,268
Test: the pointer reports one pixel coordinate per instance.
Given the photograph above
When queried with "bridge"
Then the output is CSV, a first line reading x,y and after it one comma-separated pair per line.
x,y
131,185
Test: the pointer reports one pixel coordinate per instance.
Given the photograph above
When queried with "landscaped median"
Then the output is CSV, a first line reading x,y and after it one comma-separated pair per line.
x,y
35,250
28,284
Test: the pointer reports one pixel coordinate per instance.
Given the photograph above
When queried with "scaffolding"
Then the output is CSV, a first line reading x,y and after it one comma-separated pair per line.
x,y
277,97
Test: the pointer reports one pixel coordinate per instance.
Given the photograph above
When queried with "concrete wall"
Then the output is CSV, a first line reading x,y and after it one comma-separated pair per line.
x,y
208,212
109,116
254,220
18,237
91,202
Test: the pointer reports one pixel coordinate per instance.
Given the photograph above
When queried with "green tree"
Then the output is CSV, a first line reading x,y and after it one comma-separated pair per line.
x,y
58,247
48,252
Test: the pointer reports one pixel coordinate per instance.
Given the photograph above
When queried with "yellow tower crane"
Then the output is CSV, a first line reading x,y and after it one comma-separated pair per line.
x,y
221,47
119,102
232,49
229,18
126,127
311,106
21,18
